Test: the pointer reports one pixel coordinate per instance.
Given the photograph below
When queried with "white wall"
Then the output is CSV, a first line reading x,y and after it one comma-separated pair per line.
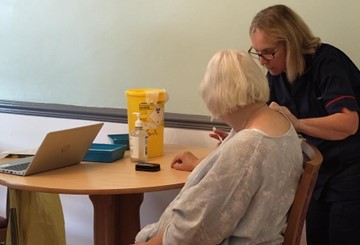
x,y
27,132
54,51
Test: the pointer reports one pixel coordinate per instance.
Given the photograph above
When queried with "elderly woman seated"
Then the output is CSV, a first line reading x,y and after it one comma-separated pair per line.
x,y
242,191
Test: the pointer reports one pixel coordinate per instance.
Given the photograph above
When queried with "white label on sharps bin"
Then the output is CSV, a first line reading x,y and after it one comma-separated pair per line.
x,y
157,115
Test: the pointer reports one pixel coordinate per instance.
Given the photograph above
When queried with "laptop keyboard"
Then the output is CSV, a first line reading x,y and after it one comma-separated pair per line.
x,y
18,167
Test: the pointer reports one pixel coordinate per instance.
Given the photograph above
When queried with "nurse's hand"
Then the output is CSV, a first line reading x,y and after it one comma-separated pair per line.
x,y
284,110
185,161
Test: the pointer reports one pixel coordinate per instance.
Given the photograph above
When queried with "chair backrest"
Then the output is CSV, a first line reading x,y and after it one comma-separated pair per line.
x,y
297,214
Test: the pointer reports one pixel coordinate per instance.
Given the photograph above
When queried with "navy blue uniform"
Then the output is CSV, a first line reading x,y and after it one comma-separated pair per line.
x,y
331,82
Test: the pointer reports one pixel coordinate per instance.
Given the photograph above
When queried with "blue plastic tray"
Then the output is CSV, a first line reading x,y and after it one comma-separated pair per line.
x,y
122,139
105,152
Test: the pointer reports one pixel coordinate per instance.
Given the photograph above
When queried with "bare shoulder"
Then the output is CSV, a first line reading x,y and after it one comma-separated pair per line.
x,y
271,122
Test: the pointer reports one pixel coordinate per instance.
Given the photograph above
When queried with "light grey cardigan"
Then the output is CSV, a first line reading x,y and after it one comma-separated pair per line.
x,y
239,194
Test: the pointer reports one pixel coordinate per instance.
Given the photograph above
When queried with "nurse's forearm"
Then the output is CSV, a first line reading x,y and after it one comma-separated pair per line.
x,y
334,127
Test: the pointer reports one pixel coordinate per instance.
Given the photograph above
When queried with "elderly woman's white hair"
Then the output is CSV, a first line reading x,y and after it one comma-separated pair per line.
x,y
232,80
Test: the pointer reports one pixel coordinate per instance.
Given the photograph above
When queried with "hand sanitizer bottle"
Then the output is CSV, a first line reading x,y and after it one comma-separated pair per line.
x,y
138,142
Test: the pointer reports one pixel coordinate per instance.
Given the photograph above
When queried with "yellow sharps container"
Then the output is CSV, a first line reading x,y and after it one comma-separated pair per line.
x,y
150,102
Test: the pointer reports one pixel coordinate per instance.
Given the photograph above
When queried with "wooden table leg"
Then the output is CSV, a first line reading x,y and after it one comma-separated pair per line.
x,y
116,218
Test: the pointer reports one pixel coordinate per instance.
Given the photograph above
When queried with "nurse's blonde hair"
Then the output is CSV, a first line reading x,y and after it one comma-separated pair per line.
x,y
282,24
232,80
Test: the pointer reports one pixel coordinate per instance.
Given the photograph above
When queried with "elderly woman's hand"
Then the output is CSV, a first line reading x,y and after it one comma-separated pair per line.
x,y
156,240
185,161
218,135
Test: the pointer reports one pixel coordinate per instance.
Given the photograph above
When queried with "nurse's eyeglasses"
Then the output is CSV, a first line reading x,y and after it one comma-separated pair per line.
x,y
265,56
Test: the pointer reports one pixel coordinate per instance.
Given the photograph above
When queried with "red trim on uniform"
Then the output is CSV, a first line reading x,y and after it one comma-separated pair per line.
x,y
339,98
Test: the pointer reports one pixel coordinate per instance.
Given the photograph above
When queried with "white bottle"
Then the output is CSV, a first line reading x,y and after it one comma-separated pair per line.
x,y
138,142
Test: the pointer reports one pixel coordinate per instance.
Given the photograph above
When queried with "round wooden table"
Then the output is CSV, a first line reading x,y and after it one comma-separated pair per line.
x,y
115,189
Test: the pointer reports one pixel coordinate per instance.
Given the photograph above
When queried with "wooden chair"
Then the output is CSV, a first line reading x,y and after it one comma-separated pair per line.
x,y
4,222
297,214
3,226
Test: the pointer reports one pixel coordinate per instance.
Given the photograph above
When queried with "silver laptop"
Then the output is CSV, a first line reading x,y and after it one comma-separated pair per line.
x,y
59,149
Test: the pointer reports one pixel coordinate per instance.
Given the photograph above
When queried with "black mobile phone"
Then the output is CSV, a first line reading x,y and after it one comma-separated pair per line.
x,y
147,166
